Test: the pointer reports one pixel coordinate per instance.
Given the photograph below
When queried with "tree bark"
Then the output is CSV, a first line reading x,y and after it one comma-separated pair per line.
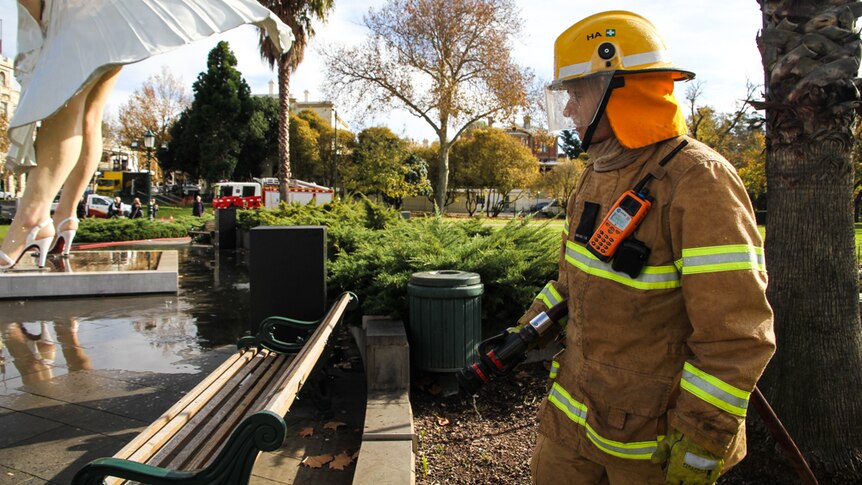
x,y
815,379
442,174
284,172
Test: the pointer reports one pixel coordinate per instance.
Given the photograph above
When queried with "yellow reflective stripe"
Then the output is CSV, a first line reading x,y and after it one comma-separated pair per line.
x,y
651,278
715,259
549,295
639,450
555,369
566,226
714,390
577,412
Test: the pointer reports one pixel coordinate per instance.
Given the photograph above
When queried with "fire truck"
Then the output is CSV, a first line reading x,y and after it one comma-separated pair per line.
x,y
264,192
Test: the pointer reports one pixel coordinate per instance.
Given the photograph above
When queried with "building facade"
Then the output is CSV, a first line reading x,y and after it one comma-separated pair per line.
x,y
539,141
325,109
9,94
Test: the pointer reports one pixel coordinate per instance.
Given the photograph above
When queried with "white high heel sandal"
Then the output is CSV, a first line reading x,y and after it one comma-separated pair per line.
x,y
42,245
67,237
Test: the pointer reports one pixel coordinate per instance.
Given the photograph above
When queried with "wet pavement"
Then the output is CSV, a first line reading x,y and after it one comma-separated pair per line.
x,y
81,377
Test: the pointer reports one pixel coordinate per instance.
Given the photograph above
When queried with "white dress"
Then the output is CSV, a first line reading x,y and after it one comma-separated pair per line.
x,y
80,40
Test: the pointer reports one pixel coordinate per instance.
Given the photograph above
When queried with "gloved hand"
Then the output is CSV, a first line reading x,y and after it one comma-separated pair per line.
x,y
685,462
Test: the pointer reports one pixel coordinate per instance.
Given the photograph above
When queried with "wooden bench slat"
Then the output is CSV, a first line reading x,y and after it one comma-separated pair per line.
x,y
148,442
222,424
178,441
305,360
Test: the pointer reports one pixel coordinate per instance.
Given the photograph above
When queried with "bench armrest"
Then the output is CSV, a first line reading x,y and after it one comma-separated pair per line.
x,y
298,330
97,470
262,431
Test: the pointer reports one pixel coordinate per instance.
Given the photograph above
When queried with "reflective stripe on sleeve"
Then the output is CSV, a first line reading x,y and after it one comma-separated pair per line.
x,y
651,277
714,390
566,226
715,259
555,369
577,412
549,295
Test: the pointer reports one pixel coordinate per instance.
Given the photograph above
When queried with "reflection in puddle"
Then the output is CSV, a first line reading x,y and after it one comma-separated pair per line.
x,y
33,349
95,261
45,338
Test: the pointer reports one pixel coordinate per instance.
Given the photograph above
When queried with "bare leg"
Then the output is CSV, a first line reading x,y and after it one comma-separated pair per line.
x,y
91,151
58,145
34,7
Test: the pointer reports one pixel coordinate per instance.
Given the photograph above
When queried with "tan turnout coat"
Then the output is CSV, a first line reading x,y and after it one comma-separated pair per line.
x,y
684,343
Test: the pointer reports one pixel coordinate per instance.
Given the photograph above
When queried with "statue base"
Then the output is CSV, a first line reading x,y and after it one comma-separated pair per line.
x,y
92,273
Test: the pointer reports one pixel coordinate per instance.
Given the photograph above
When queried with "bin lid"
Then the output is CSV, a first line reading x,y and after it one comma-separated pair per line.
x,y
447,278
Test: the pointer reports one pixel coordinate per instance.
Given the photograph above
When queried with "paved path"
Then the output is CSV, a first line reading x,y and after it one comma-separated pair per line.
x,y
55,418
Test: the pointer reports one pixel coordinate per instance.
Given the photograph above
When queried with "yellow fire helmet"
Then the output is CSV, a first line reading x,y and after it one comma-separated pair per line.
x,y
606,52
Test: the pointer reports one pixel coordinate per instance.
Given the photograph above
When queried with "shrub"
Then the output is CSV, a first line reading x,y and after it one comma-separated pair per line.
x,y
347,222
514,263
108,230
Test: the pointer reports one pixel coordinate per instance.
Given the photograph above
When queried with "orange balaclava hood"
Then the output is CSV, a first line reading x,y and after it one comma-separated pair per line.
x,y
645,111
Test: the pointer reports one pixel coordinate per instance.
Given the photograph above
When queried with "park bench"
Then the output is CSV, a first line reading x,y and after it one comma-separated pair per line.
x,y
215,432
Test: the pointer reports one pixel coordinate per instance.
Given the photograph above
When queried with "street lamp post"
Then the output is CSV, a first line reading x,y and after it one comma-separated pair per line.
x,y
149,143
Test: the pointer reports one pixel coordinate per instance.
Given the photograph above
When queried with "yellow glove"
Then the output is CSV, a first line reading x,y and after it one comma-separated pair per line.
x,y
686,463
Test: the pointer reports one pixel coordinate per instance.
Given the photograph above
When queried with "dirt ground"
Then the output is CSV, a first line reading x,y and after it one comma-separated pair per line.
x,y
489,439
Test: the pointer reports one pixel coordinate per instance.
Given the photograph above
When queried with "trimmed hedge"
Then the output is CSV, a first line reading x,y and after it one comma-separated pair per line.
x,y
107,230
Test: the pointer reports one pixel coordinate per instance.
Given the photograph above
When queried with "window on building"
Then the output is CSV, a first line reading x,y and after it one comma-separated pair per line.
x,y
4,108
3,79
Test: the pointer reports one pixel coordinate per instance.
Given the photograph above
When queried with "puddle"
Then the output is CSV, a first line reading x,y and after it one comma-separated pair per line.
x,y
41,339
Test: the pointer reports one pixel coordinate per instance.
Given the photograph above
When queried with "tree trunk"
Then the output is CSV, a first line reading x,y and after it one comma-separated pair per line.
x,y
284,172
815,379
442,176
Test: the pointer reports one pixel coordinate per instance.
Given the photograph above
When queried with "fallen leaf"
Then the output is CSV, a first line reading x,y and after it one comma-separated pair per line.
x,y
305,432
341,461
333,425
316,461
344,365
522,374
435,390
442,421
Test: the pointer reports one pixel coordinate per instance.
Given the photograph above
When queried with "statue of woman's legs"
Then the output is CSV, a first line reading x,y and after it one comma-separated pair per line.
x,y
58,147
88,160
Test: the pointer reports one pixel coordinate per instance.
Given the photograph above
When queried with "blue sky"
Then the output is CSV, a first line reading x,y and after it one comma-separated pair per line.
x,y
716,40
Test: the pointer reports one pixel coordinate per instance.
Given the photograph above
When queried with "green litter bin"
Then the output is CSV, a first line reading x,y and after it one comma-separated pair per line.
x,y
445,319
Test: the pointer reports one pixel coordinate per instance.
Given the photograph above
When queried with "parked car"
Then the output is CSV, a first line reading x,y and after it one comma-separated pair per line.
x,y
552,209
6,195
538,206
97,206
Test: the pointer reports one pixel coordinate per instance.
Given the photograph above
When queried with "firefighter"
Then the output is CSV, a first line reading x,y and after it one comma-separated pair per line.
x,y
659,359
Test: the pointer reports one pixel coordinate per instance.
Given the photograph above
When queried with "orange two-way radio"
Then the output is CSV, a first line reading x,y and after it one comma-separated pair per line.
x,y
625,216
620,222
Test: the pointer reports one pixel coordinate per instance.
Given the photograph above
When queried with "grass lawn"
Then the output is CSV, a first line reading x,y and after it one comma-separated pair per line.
x,y
166,212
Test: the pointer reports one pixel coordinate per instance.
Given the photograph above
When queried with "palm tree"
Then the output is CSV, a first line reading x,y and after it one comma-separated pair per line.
x,y
298,15
811,52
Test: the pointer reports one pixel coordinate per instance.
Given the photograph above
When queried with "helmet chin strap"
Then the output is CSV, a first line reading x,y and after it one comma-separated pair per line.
x,y
616,82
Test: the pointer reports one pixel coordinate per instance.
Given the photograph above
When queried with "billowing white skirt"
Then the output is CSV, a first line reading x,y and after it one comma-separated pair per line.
x,y
80,40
